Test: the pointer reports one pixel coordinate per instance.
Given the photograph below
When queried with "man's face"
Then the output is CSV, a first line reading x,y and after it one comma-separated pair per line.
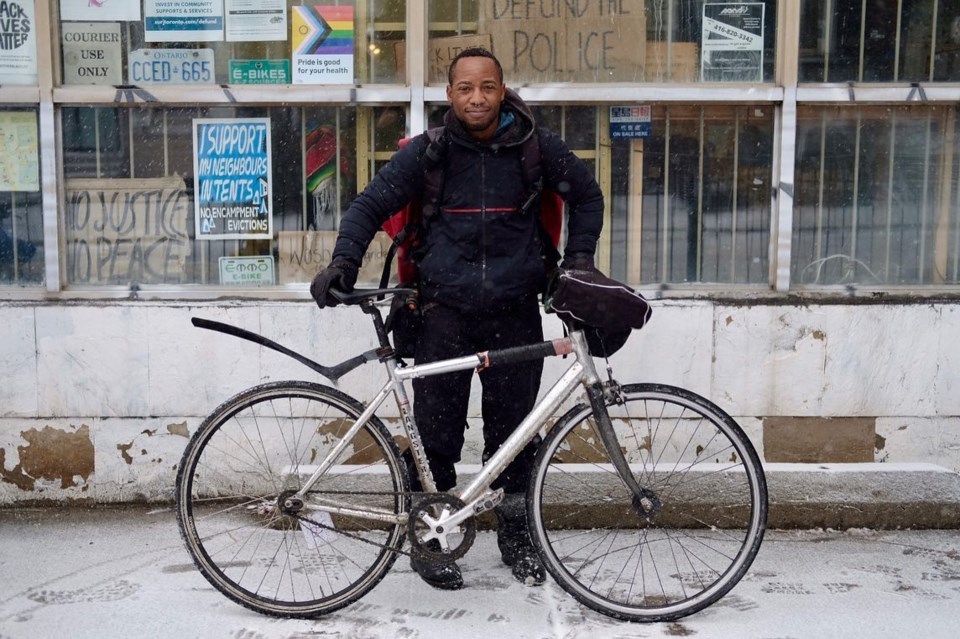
x,y
475,96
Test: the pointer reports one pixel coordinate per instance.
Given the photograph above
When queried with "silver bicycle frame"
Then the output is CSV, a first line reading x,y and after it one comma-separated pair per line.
x,y
477,494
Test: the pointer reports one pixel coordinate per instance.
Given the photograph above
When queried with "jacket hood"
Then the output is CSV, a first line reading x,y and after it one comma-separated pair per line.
x,y
517,133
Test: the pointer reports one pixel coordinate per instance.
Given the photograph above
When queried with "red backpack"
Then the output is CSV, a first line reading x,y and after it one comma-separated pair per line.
x,y
405,225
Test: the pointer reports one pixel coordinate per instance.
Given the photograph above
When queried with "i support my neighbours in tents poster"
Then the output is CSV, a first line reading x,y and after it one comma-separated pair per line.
x,y
233,187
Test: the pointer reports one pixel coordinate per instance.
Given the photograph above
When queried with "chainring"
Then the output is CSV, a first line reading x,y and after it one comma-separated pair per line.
x,y
439,546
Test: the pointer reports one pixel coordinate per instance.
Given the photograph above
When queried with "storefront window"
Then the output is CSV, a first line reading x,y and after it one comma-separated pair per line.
x,y
211,195
877,198
624,41
691,203
231,42
880,41
21,210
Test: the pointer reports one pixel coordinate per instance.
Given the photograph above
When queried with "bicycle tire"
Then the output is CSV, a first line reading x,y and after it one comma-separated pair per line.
x,y
261,444
710,498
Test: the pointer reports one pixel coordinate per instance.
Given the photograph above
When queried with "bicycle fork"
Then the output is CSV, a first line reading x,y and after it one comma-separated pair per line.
x,y
644,500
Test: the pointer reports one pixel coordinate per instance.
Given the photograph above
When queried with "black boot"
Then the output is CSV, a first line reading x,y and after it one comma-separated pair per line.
x,y
513,539
438,575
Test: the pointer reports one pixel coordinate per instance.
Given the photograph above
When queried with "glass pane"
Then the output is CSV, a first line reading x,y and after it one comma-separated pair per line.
x,y
873,41
876,196
21,206
598,41
234,42
131,191
694,199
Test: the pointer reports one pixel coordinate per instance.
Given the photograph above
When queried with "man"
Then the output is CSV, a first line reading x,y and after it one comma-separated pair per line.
x,y
480,273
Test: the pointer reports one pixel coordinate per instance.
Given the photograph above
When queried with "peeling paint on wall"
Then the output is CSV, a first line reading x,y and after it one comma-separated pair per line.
x,y
179,428
51,454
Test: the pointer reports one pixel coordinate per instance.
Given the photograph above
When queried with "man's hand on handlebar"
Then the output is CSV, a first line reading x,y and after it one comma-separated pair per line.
x,y
340,274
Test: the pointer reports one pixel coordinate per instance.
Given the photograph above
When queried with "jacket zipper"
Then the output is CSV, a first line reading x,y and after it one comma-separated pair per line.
x,y
483,230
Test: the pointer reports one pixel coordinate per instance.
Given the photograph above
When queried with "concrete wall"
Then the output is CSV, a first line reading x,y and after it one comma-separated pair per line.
x,y
98,398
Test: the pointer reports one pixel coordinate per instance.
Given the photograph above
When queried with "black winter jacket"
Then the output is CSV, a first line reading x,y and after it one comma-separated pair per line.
x,y
481,254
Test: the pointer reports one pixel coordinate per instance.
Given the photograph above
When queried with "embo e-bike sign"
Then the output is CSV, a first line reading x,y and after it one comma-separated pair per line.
x,y
254,270
233,186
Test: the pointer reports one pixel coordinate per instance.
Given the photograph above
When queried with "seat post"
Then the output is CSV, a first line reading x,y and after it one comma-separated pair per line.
x,y
370,308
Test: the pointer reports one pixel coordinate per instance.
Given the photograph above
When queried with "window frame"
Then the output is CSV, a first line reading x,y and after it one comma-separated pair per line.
x,y
783,94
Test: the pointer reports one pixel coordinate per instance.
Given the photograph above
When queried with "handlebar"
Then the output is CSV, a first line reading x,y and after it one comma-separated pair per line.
x,y
358,295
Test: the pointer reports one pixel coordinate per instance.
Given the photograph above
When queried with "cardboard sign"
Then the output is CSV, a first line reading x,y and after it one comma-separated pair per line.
x,y
440,52
303,253
125,231
566,41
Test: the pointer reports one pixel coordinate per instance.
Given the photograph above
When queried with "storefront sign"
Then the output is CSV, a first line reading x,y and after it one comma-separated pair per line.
x,y
256,20
630,122
248,270
19,151
566,41
171,66
127,230
322,43
259,71
732,42
91,53
183,20
234,189
89,10
18,43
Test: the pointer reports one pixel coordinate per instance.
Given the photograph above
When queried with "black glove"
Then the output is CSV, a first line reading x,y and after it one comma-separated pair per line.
x,y
340,274
577,262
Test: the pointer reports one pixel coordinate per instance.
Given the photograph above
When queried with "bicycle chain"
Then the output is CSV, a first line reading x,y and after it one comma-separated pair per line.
x,y
398,551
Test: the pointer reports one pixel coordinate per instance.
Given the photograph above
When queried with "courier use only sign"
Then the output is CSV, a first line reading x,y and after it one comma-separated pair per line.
x,y
233,189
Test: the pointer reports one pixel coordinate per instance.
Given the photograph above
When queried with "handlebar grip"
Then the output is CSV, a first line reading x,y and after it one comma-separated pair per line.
x,y
520,354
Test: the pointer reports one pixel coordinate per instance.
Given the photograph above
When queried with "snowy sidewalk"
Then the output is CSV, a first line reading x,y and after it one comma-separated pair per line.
x,y
105,573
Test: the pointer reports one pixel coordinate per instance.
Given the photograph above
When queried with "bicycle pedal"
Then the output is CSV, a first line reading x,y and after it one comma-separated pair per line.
x,y
487,501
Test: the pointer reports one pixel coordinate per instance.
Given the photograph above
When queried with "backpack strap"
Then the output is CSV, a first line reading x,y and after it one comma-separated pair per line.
x,y
432,164
531,159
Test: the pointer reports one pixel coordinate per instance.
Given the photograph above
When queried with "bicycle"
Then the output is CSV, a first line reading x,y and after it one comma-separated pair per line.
x,y
647,502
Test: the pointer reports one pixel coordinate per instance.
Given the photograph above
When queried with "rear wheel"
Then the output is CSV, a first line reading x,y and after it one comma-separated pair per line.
x,y
247,532
707,500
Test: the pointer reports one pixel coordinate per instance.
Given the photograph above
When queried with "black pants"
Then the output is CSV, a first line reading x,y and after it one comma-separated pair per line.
x,y
509,392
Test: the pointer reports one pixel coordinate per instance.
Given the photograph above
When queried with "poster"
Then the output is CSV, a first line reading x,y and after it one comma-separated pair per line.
x,y
232,177
18,43
183,20
630,122
732,42
322,43
91,53
127,230
100,11
256,20
19,151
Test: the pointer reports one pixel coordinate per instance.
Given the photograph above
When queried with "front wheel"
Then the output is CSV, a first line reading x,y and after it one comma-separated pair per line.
x,y
703,515
249,534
